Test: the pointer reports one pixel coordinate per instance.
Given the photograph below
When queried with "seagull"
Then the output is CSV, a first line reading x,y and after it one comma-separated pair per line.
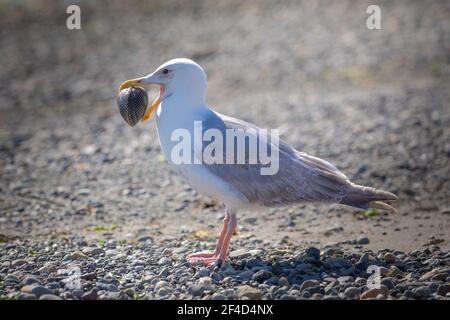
x,y
300,177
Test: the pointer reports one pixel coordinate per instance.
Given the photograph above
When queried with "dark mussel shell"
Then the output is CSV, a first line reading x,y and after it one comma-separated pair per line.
x,y
132,103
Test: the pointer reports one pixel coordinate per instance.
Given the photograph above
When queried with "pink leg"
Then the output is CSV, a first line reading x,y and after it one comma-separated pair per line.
x,y
221,251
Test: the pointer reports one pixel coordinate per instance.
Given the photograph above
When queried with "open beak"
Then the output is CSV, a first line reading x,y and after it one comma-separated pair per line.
x,y
139,82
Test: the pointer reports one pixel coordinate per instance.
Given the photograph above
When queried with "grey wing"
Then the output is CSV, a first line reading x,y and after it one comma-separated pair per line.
x,y
300,178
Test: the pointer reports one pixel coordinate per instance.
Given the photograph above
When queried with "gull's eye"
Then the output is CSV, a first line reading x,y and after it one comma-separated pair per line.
x,y
166,71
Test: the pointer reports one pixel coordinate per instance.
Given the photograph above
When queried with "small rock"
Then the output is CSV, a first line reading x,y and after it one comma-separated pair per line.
x,y
19,262
390,258
336,263
388,282
202,272
12,278
309,284
218,296
248,292
283,282
164,261
30,280
162,292
76,255
161,284
195,290
37,290
443,289
240,254
26,296
313,253
145,239
427,276
90,295
206,283
92,252
245,275
352,292
261,276
363,240
422,292
49,297
345,280
111,253
374,292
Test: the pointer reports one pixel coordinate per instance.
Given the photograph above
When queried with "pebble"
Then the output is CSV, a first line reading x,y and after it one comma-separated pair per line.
x,y
363,240
90,295
248,292
37,290
443,289
26,296
261,276
92,252
352,292
309,284
374,292
49,297
195,290
240,254
245,275
164,261
389,257
336,263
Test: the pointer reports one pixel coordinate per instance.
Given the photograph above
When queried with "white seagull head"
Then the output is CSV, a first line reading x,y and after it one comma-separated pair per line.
x,y
177,77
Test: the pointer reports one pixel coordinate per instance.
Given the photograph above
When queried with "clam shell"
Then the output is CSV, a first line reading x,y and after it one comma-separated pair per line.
x,y
132,103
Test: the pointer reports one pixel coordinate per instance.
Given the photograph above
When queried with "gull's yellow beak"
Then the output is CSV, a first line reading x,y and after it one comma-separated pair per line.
x,y
138,82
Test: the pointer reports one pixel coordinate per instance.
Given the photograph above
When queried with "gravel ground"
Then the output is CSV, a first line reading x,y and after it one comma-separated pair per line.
x,y
81,191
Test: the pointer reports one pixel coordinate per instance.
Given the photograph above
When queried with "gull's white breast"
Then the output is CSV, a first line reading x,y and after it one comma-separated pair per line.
x,y
171,116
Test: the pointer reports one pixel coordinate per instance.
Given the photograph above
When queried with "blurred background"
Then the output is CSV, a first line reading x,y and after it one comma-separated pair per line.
x,y
374,102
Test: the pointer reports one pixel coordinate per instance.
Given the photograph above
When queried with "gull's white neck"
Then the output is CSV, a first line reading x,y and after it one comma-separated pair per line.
x,y
178,111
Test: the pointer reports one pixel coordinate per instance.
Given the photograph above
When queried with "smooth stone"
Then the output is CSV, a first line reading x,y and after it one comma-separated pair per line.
x,y
90,295
283,282
443,289
363,240
261,276
202,272
11,278
336,262
196,290
164,261
37,290
309,284
245,275
388,282
390,258
30,280
218,296
240,254
160,285
206,283
26,296
313,252
248,292
18,263
49,297
352,292
94,251
374,292
422,292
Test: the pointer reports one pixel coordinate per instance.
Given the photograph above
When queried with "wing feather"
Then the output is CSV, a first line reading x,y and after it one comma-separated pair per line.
x,y
300,178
